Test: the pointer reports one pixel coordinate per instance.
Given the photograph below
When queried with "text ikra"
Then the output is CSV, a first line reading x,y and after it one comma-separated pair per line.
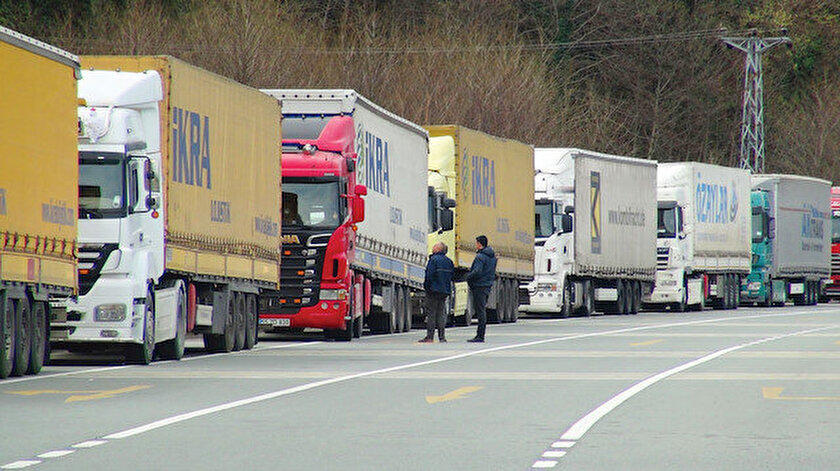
x,y
483,181
190,148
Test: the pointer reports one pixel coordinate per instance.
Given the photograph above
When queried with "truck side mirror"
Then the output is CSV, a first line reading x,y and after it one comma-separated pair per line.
x,y
360,190
151,203
448,203
681,235
447,220
565,223
358,208
569,209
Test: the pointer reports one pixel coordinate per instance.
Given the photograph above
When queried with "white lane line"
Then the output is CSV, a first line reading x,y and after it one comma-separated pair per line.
x,y
20,464
284,392
562,444
56,375
553,454
90,444
544,464
55,454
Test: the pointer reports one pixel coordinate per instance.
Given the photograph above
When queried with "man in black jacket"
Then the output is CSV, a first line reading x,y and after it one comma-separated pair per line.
x,y
438,284
480,279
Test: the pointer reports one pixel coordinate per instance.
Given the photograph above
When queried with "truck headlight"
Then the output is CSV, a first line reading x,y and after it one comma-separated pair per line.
x,y
109,313
333,294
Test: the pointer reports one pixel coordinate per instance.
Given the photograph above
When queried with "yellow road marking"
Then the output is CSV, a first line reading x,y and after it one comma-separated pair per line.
x,y
459,393
79,396
776,393
646,342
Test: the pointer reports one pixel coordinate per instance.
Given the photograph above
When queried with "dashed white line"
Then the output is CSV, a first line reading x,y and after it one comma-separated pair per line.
x,y
20,464
55,454
544,464
579,428
90,444
553,454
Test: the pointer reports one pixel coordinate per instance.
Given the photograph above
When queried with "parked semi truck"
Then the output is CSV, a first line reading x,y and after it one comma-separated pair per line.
x,y
703,235
38,169
179,204
491,181
342,270
791,237
832,289
595,220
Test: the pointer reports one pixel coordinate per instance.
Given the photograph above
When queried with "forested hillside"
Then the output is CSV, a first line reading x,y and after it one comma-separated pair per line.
x,y
496,65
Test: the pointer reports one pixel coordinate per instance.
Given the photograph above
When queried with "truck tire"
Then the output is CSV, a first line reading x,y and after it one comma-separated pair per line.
x,y
635,296
144,353
239,321
251,320
40,338
7,335
228,338
768,299
359,323
408,310
588,299
342,335
514,300
23,320
173,349
397,309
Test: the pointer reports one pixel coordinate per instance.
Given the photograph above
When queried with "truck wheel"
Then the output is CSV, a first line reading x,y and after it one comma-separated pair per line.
x,y
228,340
23,319
588,298
173,349
566,309
397,309
40,338
635,297
514,301
408,310
144,353
250,321
342,335
7,335
239,321
768,299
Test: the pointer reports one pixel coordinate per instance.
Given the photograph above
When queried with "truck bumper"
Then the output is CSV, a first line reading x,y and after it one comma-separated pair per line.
x,y
82,327
753,290
324,315
544,301
832,289
668,288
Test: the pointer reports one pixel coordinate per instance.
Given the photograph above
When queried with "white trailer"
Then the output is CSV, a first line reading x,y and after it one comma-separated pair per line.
x,y
595,232
703,235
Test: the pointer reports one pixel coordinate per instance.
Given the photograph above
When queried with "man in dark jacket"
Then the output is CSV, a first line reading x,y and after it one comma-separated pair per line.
x,y
480,279
438,285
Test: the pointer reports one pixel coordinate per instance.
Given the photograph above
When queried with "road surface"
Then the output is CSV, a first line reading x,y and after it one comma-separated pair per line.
x,y
746,389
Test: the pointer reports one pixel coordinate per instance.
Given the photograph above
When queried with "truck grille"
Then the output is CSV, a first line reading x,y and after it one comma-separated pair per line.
x,y
835,264
300,280
91,259
662,257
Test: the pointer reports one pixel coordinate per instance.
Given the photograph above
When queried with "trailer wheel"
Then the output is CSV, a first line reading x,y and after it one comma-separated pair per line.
x,y
515,300
359,323
635,296
7,335
144,353
768,299
23,327
251,319
408,309
239,321
566,310
588,298
40,338
397,308
173,349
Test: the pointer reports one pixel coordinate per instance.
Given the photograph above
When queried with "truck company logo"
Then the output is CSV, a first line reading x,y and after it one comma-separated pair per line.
x,y
373,169
58,213
220,211
595,208
2,201
190,147
480,173
714,205
266,226
813,222
627,217
290,239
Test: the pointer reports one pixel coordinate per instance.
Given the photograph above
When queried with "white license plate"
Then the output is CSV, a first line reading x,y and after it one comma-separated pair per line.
x,y
797,288
275,322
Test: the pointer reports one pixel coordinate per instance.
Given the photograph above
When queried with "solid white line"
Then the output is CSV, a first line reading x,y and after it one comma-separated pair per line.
x,y
553,454
20,464
579,428
55,454
305,387
544,464
562,444
89,444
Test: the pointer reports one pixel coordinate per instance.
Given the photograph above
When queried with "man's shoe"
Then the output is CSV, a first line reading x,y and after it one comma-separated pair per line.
x,y
425,340
476,340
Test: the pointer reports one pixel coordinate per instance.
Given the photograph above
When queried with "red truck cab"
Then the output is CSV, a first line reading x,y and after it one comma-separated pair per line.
x,y
832,290
321,206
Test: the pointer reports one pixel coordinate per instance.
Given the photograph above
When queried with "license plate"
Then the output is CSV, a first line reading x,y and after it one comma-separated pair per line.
x,y
276,322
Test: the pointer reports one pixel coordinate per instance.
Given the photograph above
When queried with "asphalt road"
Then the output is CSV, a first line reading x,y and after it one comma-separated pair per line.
x,y
746,389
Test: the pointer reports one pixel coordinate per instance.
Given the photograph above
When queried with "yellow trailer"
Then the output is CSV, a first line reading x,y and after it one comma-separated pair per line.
x,y
492,181
38,194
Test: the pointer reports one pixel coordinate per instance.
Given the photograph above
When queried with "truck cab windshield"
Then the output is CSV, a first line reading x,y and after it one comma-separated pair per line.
x,y
102,182
543,220
667,220
835,227
760,225
312,204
